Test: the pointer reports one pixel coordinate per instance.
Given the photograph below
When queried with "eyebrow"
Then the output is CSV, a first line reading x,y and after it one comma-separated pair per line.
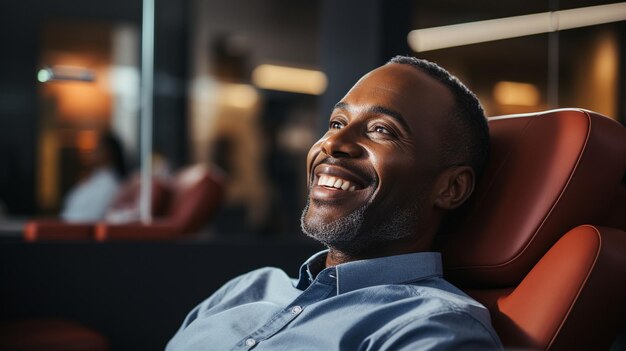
x,y
381,111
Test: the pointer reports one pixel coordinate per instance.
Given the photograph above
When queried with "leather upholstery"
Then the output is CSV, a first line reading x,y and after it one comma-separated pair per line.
x,y
181,206
571,300
196,193
125,205
545,170
42,229
531,246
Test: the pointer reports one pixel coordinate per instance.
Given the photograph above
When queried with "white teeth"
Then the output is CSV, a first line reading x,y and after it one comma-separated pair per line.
x,y
337,183
331,181
322,180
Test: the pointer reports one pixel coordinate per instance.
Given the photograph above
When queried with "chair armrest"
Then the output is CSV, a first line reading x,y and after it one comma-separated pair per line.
x,y
44,230
156,231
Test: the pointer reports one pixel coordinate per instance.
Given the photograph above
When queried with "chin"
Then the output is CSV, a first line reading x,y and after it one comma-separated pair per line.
x,y
359,233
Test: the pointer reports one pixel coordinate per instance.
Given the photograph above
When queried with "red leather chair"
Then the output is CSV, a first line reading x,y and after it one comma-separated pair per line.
x,y
126,201
180,206
542,242
196,193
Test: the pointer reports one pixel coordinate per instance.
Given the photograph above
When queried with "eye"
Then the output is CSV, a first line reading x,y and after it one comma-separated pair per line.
x,y
335,125
381,129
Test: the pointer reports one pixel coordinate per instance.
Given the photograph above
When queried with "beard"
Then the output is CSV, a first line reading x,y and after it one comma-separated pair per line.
x,y
348,235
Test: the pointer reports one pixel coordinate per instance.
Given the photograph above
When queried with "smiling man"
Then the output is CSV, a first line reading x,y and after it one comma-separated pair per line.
x,y
403,147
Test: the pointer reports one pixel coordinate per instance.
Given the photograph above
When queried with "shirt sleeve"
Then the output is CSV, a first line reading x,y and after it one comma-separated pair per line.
x,y
450,330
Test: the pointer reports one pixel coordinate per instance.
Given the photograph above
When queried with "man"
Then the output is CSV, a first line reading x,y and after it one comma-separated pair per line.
x,y
403,147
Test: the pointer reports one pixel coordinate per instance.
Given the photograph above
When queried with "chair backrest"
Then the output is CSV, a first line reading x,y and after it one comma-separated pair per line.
x,y
548,173
196,192
125,205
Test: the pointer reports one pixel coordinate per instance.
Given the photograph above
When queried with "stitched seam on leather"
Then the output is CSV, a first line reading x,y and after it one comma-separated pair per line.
x,y
582,286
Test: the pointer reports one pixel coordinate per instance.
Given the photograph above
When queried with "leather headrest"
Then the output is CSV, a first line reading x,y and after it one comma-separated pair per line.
x,y
548,172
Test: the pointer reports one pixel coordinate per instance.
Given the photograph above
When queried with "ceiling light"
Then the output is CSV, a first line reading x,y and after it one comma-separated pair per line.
x,y
511,27
516,93
290,79
66,73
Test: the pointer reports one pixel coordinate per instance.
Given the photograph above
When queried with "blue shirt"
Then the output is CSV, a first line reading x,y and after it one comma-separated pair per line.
x,y
389,303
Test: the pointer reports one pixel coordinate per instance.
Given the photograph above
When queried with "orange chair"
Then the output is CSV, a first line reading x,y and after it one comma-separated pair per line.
x,y
196,193
181,206
540,243
126,201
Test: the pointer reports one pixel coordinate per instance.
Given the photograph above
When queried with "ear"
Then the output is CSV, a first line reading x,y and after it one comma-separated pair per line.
x,y
453,187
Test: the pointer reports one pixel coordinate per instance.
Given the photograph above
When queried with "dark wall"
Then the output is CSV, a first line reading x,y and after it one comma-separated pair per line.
x,y
18,106
135,294
357,36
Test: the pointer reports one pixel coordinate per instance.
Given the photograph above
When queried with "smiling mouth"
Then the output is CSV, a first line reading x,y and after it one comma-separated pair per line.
x,y
332,179
336,183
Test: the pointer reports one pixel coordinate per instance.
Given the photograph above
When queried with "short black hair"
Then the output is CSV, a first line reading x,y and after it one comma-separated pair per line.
x,y
467,142
112,144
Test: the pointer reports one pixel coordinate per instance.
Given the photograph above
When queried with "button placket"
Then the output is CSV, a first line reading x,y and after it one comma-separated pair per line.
x,y
315,292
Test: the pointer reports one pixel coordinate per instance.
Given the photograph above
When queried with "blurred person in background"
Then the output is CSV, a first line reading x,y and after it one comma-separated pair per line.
x,y
89,200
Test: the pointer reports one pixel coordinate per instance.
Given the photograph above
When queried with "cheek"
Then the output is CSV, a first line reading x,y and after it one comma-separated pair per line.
x,y
402,177
313,152
394,165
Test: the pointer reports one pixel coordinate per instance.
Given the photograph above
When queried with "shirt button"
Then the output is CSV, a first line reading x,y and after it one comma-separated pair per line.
x,y
296,309
250,342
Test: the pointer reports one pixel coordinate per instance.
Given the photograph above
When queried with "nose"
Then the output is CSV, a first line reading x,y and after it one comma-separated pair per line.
x,y
342,143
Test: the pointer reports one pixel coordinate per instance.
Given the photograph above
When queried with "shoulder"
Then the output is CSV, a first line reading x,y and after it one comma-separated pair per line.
x,y
107,176
265,274
258,279
241,289
103,182
447,329
444,315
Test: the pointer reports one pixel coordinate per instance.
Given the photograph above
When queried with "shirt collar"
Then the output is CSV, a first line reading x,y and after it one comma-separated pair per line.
x,y
315,263
377,271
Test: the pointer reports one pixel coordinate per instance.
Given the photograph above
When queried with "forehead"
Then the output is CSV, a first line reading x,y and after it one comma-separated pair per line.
x,y
421,99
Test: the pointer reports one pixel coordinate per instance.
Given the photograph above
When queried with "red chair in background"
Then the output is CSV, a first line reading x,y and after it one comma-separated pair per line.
x,y
542,243
180,206
195,195
125,204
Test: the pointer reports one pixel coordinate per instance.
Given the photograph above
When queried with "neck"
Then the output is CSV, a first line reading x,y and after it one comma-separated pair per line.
x,y
407,245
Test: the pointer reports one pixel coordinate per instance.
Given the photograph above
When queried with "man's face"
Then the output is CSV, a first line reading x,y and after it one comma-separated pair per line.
x,y
371,175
